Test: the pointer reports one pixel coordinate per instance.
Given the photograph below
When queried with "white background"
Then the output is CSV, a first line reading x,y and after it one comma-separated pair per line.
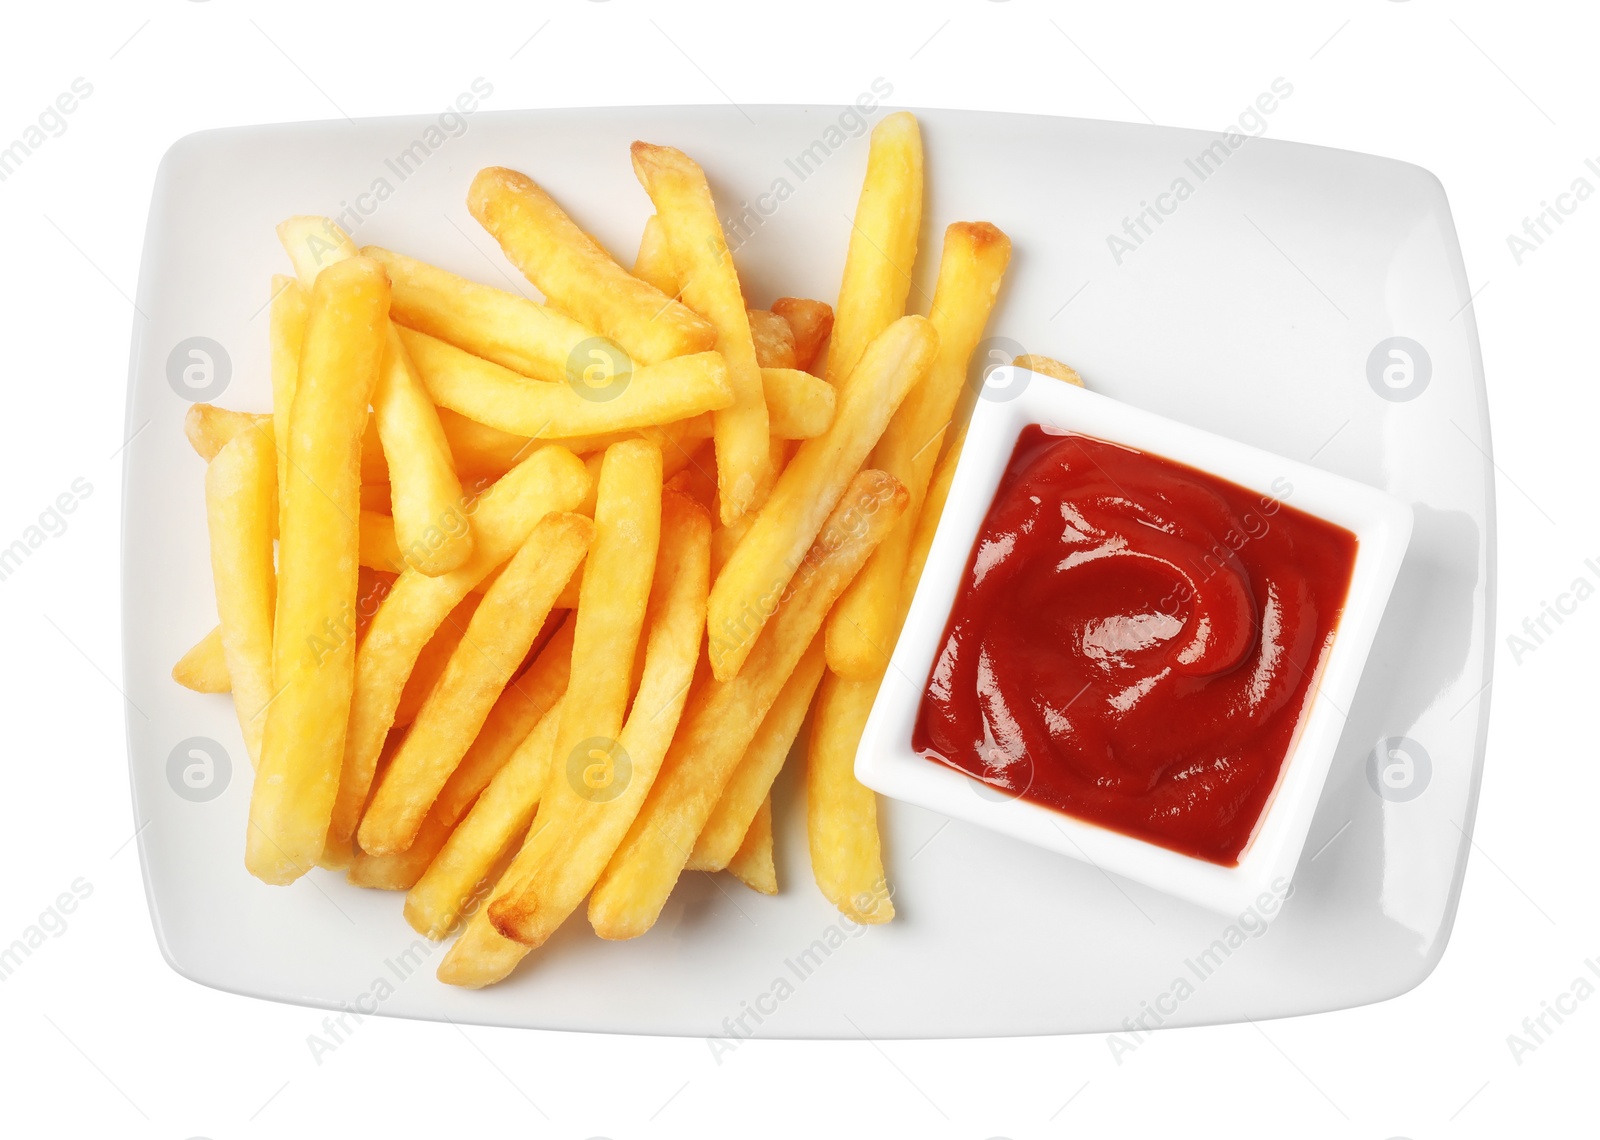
x,y
99,1033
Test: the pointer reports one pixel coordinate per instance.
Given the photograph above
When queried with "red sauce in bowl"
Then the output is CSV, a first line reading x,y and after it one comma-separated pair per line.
x,y
1135,642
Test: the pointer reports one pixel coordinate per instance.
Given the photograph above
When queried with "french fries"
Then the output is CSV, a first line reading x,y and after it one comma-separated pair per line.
x,y
747,789
579,277
484,391
752,864
1048,366
497,821
520,707
863,628
653,263
841,814
744,594
472,671
723,717
432,660
286,333
587,809
551,479
401,870
810,323
208,428
928,525
773,340
799,405
241,509
711,288
204,668
303,739
616,589
496,640
883,243
425,494
503,327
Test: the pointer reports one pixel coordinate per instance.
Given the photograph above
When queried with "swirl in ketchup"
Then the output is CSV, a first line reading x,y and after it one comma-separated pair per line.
x,y
1134,643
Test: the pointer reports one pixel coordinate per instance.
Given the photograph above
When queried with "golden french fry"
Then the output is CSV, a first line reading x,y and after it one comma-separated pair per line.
x,y
425,494
799,405
928,523
480,449
722,717
810,322
551,479
313,243
484,391
372,586
241,509
204,668
516,711
744,594
579,277
865,624
773,339
379,550
616,589
551,880
519,707
589,805
495,824
841,813
482,955
313,644
1048,366
497,639
530,695
711,288
512,331
401,870
432,660
883,243
654,261
751,782
752,864
286,331
209,428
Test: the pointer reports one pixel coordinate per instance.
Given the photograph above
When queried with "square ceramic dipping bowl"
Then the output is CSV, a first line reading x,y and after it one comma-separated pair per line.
x,y
1010,400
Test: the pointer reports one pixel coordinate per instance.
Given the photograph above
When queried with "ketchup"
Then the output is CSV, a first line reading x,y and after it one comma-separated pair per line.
x,y
1134,642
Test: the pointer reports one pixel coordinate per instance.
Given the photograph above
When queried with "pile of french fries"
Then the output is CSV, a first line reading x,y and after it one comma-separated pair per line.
x,y
524,604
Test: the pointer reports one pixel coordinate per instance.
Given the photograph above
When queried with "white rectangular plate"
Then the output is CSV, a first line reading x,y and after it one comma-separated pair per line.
x,y
1252,310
